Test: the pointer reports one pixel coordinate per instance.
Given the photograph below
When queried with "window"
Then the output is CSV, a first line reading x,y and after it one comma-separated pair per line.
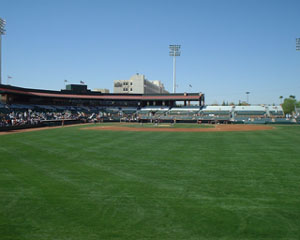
x,y
130,89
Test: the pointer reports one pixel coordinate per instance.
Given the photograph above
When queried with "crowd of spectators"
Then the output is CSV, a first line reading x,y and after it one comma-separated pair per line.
x,y
31,117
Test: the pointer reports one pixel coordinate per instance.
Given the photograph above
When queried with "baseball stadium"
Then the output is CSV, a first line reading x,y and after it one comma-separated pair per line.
x,y
23,108
143,163
82,165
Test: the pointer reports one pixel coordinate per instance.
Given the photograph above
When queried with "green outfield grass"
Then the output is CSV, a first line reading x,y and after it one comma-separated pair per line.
x,y
66,183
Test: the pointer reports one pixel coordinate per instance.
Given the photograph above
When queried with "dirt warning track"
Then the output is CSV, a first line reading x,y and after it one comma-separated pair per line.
x,y
215,128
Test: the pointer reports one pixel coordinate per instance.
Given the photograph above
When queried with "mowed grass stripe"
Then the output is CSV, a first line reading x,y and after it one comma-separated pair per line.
x,y
71,184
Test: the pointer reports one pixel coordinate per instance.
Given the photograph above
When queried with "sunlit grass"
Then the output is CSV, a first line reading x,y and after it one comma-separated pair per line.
x,y
69,184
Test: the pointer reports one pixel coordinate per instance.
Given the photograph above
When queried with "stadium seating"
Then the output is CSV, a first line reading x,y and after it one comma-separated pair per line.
x,y
275,111
250,111
209,114
215,113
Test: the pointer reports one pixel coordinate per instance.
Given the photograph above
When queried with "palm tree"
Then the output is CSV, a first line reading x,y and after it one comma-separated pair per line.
x,y
281,97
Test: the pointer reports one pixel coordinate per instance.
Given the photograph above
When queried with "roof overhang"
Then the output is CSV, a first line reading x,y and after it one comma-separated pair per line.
x,y
99,96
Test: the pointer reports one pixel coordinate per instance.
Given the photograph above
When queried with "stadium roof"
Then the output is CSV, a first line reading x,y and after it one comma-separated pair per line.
x,y
250,108
97,95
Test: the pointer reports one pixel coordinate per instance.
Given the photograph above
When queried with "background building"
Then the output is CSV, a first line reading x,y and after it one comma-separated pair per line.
x,y
102,90
139,84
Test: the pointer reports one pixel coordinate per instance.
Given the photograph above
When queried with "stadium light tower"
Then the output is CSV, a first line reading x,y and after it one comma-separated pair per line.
x,y
2,32
174,52
247,93
297,44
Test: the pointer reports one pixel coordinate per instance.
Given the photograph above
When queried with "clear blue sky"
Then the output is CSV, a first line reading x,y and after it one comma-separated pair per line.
x,y
228,47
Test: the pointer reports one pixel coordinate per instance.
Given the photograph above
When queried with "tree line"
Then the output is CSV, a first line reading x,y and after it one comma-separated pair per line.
x,y
290,104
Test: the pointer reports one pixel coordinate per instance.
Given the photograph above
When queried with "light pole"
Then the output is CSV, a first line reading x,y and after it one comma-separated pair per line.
x,y
297,44
174,52
65,81
247,93
8,78
2,32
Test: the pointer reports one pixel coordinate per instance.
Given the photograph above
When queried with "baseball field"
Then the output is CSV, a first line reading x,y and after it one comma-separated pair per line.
x,y
103,183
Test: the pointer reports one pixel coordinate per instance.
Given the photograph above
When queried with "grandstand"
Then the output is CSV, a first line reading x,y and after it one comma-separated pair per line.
x,y
250,111
84,106
152,112
275,111
183,113
17,95
220,114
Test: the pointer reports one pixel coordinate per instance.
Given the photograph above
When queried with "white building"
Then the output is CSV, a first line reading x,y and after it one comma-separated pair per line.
x,y
139,84
102,90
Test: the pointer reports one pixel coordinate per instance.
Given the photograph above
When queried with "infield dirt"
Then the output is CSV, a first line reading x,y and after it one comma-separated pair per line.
x,y
216,128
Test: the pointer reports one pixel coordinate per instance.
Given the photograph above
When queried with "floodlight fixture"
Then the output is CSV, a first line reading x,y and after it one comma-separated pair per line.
x,y
297,44
2,25
174,52
2,32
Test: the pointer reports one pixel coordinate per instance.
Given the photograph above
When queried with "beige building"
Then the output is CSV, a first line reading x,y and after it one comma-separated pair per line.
x,y
102,90
139,84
